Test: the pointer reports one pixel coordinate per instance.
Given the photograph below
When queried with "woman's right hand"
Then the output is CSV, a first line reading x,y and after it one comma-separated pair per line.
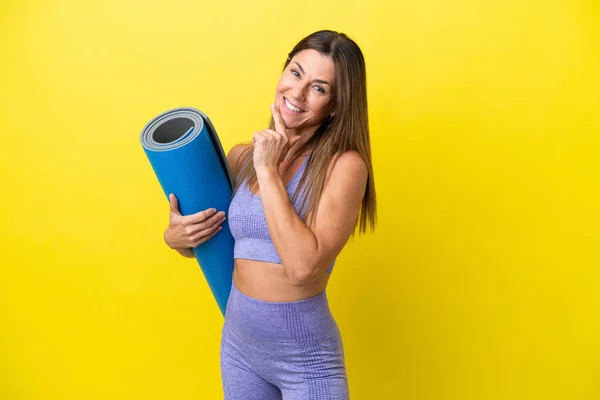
x,y
192,230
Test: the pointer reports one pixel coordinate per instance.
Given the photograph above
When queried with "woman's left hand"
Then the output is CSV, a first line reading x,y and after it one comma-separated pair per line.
x,y
271,146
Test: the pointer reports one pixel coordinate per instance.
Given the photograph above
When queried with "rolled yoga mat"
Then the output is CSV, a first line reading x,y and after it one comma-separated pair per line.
x,y
188,160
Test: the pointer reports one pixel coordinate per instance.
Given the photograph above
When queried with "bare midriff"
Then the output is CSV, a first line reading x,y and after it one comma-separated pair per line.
x,y
269,282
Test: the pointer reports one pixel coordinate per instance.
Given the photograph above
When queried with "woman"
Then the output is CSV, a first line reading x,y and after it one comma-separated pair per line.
x,y
299,188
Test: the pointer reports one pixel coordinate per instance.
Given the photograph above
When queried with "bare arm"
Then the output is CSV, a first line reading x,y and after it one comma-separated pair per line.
x,y
306,251
233,161
186,253
233,158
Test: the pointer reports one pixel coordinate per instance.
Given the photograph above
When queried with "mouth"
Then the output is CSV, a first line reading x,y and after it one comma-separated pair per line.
x,y
291,107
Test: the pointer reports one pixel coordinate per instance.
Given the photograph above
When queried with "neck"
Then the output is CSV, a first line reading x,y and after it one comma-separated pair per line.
x,y
307,133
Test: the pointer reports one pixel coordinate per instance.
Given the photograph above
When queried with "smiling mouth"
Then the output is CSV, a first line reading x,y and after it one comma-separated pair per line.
x,y
292,107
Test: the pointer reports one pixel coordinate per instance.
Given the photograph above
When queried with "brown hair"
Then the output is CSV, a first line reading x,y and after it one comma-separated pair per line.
x,y
347,130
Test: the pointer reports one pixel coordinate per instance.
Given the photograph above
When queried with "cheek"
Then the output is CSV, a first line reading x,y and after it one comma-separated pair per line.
x,y
320,103
284,83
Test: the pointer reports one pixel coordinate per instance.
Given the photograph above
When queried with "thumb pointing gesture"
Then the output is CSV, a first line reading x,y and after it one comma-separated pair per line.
x,y
174,204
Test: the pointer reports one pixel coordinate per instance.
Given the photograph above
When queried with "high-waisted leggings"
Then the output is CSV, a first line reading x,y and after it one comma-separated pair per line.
x,y
281,350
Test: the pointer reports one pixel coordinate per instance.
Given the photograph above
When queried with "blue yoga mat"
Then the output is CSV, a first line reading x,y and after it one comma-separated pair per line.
x,y
188,160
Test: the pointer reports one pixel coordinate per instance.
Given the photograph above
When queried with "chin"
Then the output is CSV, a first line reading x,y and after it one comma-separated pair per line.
x,y
291,125
290,121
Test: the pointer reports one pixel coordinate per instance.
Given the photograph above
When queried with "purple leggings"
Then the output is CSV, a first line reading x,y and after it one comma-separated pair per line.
x,y
281,350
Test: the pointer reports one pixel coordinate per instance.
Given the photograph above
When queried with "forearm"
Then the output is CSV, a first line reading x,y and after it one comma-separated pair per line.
x,y
186,252
294,241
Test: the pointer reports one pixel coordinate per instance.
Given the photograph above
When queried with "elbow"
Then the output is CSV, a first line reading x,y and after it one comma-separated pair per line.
x,y
300,277
300,282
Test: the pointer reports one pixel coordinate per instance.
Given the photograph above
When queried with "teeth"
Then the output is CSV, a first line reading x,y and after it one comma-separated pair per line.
x,y
291,106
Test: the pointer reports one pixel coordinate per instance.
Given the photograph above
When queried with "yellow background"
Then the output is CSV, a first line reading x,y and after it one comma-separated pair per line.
x,y
481,282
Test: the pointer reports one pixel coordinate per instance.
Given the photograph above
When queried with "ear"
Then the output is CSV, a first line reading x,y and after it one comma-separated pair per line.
x,y
332,109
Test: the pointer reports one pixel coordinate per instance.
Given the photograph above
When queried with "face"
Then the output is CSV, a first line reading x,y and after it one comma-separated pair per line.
x,y
305,90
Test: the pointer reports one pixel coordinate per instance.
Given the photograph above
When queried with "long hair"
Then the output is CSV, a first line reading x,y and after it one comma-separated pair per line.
x,y
347,130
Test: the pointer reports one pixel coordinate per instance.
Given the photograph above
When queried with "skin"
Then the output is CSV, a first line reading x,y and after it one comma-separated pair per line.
x,y
306,251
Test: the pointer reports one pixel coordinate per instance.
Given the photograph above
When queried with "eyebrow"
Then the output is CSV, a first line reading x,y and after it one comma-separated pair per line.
x,y
316,80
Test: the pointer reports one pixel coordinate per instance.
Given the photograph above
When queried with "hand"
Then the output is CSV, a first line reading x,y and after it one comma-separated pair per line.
x,y
192,230
271,146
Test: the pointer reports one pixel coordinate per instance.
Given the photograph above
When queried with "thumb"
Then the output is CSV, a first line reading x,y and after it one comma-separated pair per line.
x,y
174,204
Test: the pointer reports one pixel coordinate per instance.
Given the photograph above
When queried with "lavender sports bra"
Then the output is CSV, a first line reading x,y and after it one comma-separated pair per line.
x,y
248,224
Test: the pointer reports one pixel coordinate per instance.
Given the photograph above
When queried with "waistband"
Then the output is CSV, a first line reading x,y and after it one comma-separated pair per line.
x,y
279,321
304,304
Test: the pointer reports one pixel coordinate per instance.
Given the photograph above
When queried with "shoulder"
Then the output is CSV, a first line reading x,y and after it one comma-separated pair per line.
x,y
234,155
341,197
348,166
346,180
350,159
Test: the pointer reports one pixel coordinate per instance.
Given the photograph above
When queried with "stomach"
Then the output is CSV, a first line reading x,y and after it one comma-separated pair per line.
x,y
269,282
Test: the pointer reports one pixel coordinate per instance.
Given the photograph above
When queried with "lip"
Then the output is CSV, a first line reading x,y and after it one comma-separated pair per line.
x,y
283,98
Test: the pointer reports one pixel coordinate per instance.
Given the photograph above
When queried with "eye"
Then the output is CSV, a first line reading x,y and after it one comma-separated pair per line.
x,y
296,73
320,89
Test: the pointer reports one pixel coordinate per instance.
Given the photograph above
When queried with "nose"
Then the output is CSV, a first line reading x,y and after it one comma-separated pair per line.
x,y
299,93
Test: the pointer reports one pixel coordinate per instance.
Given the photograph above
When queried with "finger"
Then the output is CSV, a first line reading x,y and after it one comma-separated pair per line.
x,y
275,135
201,216
206,234
213,221
279,122
263,136
256,137
174,204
